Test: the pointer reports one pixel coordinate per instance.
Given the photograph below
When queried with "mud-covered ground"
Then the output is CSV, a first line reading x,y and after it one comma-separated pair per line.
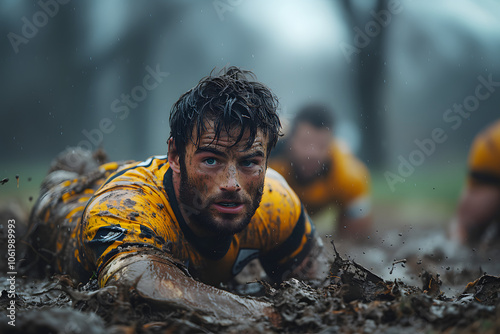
x,y
405,279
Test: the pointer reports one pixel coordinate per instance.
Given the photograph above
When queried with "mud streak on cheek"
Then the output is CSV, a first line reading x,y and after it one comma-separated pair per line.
x,y
204,185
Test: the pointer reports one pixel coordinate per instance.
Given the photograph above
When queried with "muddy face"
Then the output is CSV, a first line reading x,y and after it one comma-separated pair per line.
x,y
309,150
221,183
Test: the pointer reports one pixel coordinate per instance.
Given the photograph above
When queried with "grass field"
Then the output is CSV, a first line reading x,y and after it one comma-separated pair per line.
x,y
427,198
30,177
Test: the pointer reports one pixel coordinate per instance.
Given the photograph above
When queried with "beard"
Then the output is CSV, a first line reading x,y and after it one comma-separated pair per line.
x,y
199,213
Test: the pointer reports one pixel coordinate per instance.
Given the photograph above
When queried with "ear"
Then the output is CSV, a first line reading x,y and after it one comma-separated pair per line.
x,y
173,156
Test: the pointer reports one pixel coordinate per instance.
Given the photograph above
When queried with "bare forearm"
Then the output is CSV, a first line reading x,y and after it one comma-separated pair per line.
x,y
478,207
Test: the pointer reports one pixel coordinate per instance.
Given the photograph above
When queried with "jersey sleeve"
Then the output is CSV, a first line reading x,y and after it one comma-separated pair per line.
x,y
484,158
354,186
119,219
291,231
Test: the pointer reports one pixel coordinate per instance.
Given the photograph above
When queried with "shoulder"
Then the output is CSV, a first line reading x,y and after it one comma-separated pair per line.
x,y
277,192
349,173
281,228
138,183
484,165
279,211
140,170
346,161
131,208
487,142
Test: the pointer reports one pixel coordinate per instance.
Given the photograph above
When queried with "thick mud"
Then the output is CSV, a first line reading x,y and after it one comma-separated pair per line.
x,y
398,280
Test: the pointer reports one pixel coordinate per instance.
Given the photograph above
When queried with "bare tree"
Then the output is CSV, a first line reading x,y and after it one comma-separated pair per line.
x,y
368,66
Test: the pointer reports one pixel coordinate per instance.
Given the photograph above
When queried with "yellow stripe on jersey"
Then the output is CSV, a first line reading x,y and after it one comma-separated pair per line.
x,y
484,157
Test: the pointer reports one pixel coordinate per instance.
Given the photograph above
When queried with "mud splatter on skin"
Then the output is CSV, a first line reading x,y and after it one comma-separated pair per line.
x,y
209,174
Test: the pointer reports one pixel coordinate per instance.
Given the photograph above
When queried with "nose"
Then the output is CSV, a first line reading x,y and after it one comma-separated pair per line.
x,y
230,182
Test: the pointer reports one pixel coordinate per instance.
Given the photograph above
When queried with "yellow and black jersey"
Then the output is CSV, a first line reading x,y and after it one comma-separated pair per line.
x,y
484,157
344,183
136,207
57,214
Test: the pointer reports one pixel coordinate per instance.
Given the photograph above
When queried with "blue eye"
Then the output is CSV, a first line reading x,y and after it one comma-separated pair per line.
x,y
210,161
247,163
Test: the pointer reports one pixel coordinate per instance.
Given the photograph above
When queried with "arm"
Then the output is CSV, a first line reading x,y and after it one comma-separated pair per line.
x,y
478,207
300,256
354,219
480,201
153,276
315,265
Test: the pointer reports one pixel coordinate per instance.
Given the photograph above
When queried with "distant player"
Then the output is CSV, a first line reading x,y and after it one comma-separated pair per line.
x,y
323,173
479,207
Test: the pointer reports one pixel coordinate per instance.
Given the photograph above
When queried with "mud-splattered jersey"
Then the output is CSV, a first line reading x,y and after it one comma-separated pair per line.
x,y
344,183
56,216
484,157
137,207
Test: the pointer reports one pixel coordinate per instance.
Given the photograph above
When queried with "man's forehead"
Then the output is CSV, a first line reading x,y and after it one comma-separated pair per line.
x,y
224,140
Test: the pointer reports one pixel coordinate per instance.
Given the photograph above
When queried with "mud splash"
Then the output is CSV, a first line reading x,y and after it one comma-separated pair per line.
x,y
354,300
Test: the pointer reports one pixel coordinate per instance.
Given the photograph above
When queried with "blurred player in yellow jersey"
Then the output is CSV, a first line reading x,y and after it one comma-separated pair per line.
x,y
478,213
324,173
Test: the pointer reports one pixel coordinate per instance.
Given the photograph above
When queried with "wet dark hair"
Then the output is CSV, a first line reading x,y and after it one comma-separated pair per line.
x,y
318,115
230,99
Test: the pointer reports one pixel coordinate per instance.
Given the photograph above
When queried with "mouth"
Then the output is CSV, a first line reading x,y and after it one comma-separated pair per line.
x,y
229,207
228,204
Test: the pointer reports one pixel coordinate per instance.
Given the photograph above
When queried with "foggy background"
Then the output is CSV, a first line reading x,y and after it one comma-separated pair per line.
x,y
390,70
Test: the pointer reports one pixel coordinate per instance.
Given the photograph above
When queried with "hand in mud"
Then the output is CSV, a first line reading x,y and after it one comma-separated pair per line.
x,y
161,281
